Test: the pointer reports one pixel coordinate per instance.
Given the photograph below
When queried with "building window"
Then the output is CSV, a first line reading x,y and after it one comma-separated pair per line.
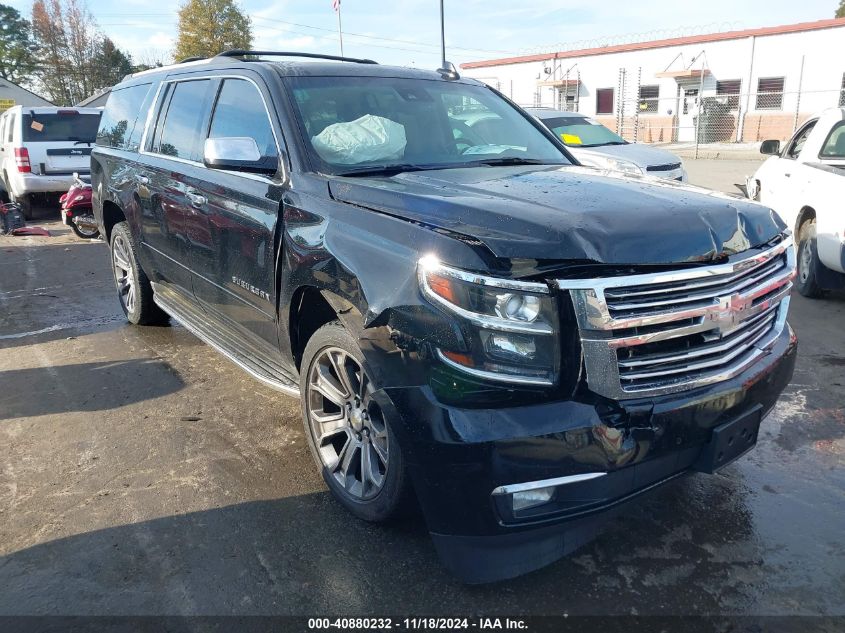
x,y
648,98
729,88
842,93
770,93
604,101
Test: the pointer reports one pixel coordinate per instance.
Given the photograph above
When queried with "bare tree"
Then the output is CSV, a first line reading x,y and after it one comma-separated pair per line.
x,y
75,58
84,42
49,34
150,58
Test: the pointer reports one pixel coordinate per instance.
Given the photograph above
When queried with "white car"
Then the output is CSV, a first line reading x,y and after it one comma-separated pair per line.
x,y
41,149
805,183
596,146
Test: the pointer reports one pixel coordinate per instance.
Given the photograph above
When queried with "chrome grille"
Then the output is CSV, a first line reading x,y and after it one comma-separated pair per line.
x,y
652,334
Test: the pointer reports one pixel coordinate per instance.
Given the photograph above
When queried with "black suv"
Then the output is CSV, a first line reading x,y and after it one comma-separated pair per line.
x,y
465,312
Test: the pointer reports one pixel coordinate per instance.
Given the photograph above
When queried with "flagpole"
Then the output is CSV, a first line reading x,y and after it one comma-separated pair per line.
x,y
339,29
442,37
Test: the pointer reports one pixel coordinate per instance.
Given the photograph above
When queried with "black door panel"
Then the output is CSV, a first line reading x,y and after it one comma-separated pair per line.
x,y
232,237
166,177
232,226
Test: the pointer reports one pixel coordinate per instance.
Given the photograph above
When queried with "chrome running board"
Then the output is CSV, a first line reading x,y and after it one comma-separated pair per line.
x,y
246,354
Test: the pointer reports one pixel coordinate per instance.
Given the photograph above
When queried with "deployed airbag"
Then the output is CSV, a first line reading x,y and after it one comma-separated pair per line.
x,y
367,139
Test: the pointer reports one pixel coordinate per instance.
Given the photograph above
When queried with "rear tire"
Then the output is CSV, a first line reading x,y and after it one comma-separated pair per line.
x,y
24,201
349,434
134,290
808,262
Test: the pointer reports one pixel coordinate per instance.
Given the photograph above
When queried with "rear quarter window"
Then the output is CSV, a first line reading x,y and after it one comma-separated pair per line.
x,y
64,125
10,128
123,123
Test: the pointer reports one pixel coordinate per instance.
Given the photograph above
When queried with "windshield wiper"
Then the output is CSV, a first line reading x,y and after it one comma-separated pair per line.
x,y
385,170
514,160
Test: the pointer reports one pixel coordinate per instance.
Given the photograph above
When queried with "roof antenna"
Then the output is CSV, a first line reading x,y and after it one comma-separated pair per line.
x,y
447,70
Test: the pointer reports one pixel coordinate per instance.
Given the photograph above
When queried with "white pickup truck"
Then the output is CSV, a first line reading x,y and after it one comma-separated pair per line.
x,y
805,183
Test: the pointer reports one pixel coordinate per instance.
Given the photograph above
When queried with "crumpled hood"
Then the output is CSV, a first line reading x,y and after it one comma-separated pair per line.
x,y
570,213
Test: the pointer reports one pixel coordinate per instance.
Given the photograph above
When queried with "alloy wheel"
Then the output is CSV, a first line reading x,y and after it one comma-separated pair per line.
x,y
346,424
123,273
806,261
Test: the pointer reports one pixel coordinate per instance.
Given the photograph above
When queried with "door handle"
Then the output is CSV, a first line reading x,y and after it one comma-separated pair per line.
x,y
142,180
196,199
788,175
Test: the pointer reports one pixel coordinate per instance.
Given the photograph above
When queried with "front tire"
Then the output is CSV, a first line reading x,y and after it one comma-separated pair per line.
x,y
134,290
85,235
808,262
348,432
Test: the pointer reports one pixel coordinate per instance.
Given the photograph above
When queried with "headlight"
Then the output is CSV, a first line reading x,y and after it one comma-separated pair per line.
x,y
512,325
615,164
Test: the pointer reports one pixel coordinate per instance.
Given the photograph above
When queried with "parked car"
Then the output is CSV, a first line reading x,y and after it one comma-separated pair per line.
x,y
595,145
41,148
805,183
526,343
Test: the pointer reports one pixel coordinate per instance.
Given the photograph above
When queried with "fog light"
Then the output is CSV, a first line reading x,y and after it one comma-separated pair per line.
x,y
532,498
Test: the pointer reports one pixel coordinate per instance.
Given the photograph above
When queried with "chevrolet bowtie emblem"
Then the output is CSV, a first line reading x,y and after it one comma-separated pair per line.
x,y
730,312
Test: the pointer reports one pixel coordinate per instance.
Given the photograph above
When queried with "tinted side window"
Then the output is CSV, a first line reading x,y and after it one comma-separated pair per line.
x,y
834,146
10,128
180,129
123,109
240,112
800,139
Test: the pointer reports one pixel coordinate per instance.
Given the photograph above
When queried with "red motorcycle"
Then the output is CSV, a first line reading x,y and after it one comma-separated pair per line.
x,y
77,211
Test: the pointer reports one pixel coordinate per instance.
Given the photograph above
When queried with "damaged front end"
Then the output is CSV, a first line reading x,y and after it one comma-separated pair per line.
x,y
557,400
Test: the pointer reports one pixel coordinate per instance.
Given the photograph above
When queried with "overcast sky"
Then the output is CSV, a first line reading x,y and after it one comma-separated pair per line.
x,y
406,32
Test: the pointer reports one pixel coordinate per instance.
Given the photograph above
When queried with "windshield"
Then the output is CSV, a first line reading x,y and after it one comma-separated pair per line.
x,y
582,132
60,126
357,124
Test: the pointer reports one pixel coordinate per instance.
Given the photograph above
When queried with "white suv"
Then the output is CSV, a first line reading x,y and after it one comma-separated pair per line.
x,y
41,148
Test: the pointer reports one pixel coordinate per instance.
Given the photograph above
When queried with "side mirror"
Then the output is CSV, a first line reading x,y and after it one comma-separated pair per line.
x,y
770,147
238,153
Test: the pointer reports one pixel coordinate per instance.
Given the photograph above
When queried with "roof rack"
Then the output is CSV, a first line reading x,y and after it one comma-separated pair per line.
x,y
196,58
237,52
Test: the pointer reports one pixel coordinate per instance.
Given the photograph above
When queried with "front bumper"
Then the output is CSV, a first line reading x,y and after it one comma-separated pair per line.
x,y
679,175
458,457
831,249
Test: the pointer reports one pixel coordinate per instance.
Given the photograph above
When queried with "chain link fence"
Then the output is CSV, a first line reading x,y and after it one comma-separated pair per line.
x,y
698,112
704,114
